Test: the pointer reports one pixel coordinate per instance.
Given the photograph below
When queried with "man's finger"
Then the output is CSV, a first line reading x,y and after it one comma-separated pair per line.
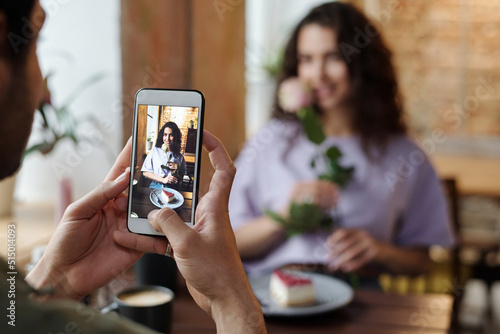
x,y
169,223
121,203
218,155
222,179
141,243
121,162
94,201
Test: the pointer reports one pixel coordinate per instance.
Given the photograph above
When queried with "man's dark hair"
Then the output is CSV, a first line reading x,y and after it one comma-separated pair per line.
x,y
18,14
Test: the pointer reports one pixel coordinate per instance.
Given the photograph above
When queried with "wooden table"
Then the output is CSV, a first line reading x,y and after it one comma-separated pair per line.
x,y
371,312
34,226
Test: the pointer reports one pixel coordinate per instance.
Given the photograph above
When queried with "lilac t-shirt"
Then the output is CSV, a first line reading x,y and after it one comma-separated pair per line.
x,y
397,199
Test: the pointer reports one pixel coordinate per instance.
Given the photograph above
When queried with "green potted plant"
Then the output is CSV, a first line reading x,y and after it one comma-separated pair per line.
x,y
59,123
150,139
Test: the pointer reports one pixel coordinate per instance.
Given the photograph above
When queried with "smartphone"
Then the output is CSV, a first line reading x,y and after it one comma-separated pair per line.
x,y
166,154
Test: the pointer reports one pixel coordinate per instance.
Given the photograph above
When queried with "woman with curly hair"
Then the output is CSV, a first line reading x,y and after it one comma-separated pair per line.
x,y
165,164
393,208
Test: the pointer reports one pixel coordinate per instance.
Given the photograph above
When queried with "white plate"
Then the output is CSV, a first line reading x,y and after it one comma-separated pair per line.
x,y
331,294
179,199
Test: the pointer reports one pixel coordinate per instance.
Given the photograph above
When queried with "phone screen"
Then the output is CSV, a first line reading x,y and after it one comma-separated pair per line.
x,y
164,163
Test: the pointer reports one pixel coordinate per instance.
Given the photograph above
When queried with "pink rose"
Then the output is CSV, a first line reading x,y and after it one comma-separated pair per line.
x,y
294,95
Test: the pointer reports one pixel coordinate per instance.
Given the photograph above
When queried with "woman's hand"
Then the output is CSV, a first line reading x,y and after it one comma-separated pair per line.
x,y
260,235
170,179
351,249
172,165
321,193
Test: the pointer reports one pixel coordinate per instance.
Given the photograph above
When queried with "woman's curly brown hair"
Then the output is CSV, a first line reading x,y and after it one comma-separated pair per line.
x,y
376,106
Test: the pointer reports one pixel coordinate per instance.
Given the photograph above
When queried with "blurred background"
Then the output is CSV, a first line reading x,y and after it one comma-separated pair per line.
x,y
446,54
79,49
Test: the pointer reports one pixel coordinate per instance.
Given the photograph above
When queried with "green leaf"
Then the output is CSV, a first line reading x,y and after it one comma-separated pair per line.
x,y
71,135
333,153
62,113
354,280
326,177
273,215
336,173
44,148
312,125
64,123
273,64
303,218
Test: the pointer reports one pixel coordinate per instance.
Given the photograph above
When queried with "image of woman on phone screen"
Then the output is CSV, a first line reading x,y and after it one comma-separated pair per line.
x,y
165,165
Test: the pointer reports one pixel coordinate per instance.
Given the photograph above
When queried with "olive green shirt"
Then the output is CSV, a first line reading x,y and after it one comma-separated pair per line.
x,y
23,314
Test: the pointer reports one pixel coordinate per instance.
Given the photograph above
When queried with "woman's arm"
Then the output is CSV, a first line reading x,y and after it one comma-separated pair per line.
x,y
404,261
154,177
258,237
352,249
148,168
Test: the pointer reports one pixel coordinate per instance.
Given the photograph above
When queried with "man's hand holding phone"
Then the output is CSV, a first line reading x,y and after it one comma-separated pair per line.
x,y
92,246
206,254
82,255
160,164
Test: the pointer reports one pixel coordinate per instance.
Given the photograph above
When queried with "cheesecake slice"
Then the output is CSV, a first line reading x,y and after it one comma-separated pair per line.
x,y
167,197
291,289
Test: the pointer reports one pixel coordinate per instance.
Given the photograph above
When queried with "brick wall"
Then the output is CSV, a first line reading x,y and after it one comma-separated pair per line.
x,y
182,117
447,55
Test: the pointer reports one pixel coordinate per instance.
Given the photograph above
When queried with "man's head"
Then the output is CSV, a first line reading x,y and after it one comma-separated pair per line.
x,y
20,78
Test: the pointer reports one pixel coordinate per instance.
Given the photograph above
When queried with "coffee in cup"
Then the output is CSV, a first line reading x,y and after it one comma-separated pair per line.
x,y
150,305
145,297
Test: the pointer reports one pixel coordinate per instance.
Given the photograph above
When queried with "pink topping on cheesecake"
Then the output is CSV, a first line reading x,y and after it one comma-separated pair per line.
x,y
168,194
290,279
